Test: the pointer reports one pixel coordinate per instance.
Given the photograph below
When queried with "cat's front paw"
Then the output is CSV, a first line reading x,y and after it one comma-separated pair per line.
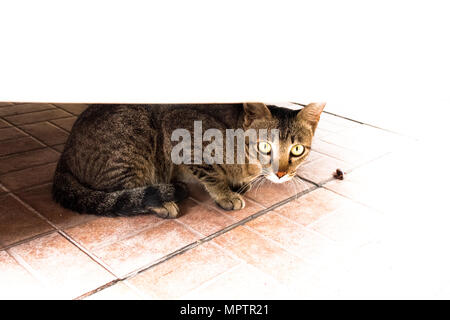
x,y
234,202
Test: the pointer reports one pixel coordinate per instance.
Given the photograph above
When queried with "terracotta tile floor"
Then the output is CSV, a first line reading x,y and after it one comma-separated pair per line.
x,y
310,239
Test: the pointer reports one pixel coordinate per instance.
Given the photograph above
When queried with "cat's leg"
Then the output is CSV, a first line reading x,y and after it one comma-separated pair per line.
x,y
218,188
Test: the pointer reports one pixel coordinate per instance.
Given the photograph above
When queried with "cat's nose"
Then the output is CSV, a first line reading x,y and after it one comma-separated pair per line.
x,y
280,174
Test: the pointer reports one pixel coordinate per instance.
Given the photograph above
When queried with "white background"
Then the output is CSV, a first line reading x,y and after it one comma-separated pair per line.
x,y
381,62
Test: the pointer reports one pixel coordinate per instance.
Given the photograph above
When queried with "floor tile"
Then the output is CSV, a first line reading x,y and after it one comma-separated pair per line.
x,y
243,282
313,155
352,226
27,159
263,254
329,118
269,193
321,170
104,230
40,198
65,123
329,126
34,117
183,273
24,108
10,133
75,108
203,219
381,184
131,254
321,132
312,206
296,239
59,147
118,291
17,222
16,282
28,177
46,132
365,139
67,271
352,157
19,145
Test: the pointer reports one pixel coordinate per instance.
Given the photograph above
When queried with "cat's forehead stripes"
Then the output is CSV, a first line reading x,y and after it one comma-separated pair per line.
x,y
288,125
287,121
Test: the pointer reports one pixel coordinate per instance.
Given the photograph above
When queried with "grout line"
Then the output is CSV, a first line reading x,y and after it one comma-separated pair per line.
x,y
216,278
136,290
106,243
12,193
6,105
37,122
309,181
37,236
30,167
60,108
98,289
58,126
368,124
353,168
279,244
86,251
35,274
355,201
29,188
19,152
33,137
19,114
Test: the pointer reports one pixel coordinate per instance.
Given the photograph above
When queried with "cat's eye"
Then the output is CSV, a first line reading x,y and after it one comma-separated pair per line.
x,y
297,150
264,147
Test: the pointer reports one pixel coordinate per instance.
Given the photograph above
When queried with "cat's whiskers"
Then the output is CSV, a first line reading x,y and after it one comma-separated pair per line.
x,y
300,181
245,185
292,181
261,182
258,181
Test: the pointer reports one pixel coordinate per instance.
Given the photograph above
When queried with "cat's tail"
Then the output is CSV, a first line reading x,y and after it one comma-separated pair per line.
x,y
73,195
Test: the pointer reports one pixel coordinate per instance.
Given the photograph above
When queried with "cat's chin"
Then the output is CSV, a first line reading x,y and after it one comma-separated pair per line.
x,y
273,178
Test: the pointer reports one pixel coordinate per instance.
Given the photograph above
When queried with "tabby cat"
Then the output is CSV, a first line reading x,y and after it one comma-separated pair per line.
x,y
117,159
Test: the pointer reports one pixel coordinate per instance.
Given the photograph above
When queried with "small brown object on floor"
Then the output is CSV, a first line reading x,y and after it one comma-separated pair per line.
x,y
339,174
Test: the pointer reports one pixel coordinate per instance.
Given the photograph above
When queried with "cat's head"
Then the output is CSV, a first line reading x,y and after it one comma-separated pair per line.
x,y
281,156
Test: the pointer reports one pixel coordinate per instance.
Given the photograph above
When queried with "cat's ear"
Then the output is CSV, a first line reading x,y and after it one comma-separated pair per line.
x,y
254,111
311,113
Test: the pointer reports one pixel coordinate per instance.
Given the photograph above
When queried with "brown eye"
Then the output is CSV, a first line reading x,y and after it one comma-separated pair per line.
x,y
297,150
264,147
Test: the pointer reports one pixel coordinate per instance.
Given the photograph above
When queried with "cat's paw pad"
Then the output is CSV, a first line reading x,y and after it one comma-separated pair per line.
x,y
232,203
169,210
